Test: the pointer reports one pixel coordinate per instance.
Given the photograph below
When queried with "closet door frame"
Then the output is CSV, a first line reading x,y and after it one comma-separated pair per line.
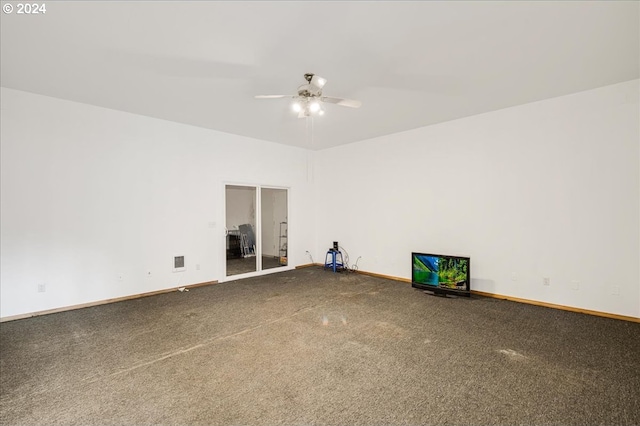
x,y
257,231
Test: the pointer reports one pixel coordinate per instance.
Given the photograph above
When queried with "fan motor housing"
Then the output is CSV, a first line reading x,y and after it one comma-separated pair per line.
x,y
307,90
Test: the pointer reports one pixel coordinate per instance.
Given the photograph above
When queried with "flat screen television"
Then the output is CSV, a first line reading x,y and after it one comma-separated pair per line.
x,y
441,274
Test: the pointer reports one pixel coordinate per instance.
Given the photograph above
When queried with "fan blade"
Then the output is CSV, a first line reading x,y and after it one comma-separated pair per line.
x,y
272,96
339,101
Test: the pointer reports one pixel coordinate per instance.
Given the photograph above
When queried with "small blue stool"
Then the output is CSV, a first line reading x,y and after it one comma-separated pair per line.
x,y
334,262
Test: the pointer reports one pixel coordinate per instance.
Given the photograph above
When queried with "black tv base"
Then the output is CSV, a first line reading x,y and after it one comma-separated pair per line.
x,y
440,294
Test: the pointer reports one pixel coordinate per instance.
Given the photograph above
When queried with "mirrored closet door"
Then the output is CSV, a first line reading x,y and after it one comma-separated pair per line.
x,y
275,228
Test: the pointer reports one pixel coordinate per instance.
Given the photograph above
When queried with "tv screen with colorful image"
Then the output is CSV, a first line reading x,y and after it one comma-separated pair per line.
x,y
441,274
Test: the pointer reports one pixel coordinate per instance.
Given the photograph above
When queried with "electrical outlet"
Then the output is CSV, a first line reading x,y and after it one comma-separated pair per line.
x,y
546,281
575,285
197,266
120,277
42,288
514,276
615,290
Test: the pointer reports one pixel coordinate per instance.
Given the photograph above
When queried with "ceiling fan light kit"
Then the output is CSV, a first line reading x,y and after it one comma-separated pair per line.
x,y
309,98
306,108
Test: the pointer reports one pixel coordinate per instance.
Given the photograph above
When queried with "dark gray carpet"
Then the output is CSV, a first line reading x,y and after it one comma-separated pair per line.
x,y
248,264
313,347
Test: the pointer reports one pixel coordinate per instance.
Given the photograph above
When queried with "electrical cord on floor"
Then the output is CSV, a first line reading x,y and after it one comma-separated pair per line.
x,y
345,258
355,267
345,262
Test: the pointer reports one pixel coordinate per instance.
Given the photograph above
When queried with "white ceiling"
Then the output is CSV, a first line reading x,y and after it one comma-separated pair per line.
x,y
412,64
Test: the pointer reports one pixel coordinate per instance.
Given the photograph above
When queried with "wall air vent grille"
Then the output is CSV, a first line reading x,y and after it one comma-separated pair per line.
x,y
178,263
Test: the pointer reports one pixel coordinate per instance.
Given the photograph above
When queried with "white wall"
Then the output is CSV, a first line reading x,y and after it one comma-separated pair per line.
x,y
550,189
90,195
547,189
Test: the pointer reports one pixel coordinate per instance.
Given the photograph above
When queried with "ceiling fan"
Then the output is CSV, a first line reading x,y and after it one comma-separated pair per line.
x,y
309,98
